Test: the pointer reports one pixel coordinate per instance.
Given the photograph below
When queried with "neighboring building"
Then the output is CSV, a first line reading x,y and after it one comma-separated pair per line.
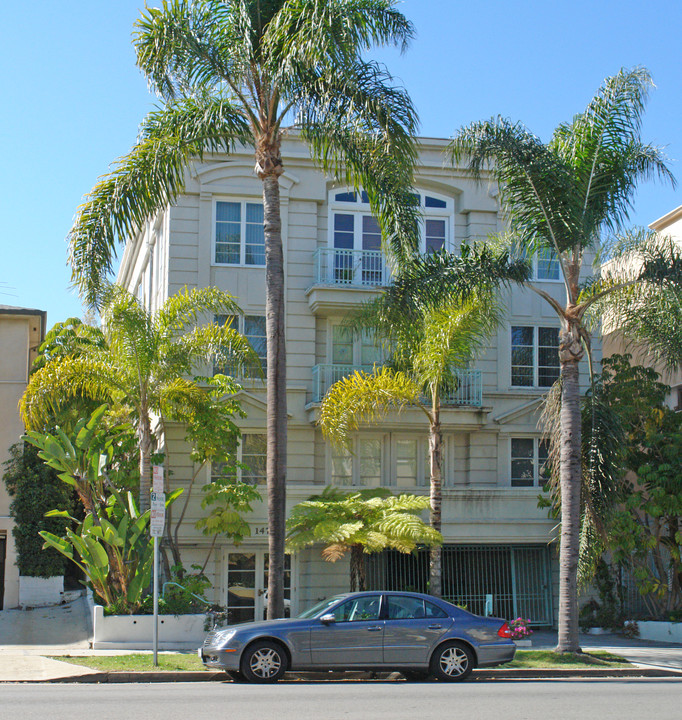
x,y
496,538
21,332
668,226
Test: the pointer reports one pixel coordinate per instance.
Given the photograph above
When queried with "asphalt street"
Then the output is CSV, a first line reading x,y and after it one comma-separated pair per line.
x,y
559,700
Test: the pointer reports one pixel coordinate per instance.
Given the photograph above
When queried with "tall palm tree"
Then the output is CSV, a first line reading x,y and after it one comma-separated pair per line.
x,y
244,72
362,522
144,361
427,347
562,198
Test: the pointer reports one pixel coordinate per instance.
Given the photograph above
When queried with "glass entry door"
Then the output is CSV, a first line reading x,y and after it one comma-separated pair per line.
x,y
247,586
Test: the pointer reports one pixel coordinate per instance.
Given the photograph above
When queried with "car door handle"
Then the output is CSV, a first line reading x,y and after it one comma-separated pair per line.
x,y
435,627
374,628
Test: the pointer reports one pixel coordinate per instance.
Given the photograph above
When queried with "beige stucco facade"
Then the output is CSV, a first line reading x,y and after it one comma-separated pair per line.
x,y
21,332
481,507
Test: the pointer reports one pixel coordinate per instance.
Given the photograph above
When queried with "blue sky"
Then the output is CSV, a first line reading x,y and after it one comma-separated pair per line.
x,y
73,98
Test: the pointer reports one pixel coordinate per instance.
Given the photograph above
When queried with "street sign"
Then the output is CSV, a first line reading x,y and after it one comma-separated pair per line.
x,y
157,514
157,478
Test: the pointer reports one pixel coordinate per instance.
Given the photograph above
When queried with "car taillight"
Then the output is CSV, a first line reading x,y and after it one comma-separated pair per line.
x,y
504,631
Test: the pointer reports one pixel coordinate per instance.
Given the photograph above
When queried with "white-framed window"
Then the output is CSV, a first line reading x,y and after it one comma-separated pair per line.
x,y
534,356
250,461
350,348
395,460
363,467
547,266
253,329
352,226
239,237
528,457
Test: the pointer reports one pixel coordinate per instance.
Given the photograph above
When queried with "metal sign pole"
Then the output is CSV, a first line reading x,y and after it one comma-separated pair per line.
x,y
156,602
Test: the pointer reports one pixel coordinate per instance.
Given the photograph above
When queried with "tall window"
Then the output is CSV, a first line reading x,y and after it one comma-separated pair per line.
x,y
362,467
547,266
348,348
534,356
354,228
239,236
528,457
250,461
253,328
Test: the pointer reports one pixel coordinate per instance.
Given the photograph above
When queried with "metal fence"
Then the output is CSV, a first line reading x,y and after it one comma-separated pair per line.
x,y
351,268
469,390
518,577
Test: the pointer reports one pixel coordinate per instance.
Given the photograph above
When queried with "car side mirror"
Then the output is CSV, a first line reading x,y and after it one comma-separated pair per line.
x,y
327,619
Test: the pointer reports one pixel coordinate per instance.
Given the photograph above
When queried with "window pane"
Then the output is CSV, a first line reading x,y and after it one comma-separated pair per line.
x,y
254,456
522,462
522,356
228,212
342,346
254,251
371,233
345,197
435,235
365,198
543,456
548,265
344,232
434,202
370,353
548,356
254,330
406,462
369,452
405,608
342,467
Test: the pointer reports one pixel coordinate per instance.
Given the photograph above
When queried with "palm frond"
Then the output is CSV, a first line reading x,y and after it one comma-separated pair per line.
x,y
142,182
364,397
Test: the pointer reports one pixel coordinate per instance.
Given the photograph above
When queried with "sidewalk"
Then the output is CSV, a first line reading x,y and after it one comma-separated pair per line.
x,y
29,638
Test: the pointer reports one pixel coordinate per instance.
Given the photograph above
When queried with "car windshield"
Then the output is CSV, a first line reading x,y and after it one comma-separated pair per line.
x,y
320,608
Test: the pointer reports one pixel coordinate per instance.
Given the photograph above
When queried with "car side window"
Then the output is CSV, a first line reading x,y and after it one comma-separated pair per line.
x,y
362,608
405,608
433,611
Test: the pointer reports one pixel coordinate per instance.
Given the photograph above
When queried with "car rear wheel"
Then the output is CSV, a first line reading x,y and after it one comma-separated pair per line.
x,y
263,662
452,662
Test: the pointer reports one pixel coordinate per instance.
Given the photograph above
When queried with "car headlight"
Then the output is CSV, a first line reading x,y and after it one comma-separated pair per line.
x,y
224,637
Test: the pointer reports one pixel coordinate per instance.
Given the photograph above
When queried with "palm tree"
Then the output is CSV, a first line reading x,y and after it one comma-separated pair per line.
x,y
238,72
428,346
143,361
561,199
363,522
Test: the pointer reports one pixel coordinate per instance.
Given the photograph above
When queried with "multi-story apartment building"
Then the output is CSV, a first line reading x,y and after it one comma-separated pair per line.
x,y
497,542
21,332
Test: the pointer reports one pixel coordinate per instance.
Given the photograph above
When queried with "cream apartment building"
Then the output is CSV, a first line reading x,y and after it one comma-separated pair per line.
x,y
21,332
497,553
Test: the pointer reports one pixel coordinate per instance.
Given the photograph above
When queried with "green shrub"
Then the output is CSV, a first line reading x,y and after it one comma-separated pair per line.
x,y
35,489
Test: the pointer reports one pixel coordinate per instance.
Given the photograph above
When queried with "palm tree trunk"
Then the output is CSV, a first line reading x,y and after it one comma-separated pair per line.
x,y
144,435
436,495
358,579
276,467
570,481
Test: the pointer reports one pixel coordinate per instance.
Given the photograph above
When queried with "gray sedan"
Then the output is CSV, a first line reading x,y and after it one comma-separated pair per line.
x,y
419,635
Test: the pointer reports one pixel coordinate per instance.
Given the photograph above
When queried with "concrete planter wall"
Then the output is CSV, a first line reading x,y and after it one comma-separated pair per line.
x,y
40,592
660,631
135,632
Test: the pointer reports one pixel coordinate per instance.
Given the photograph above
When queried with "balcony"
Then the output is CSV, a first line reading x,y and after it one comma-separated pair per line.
x,y
345,278
469,392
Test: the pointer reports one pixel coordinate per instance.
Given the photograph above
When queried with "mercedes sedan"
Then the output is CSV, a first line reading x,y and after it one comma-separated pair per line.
x,y
419,635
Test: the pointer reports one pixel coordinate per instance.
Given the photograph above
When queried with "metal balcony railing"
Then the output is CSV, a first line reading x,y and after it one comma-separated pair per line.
x,y
469,390
351,268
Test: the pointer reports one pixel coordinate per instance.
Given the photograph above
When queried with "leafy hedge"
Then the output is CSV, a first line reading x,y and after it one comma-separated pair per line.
x,y
35,489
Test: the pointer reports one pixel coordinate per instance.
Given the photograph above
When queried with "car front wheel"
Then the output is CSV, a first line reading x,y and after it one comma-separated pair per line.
x,y
452,662
263,662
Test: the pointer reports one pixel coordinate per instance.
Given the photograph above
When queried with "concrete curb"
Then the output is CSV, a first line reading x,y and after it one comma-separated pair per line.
x,y
478,676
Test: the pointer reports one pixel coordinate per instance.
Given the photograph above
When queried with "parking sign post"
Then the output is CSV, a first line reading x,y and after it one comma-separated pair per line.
x,y
156,524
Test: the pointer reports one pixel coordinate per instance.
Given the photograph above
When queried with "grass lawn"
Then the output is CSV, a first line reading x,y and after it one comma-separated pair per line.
x,y
188,661
138,662
551,660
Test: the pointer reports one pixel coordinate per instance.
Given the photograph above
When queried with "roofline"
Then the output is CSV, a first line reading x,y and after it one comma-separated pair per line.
x,y
668,219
